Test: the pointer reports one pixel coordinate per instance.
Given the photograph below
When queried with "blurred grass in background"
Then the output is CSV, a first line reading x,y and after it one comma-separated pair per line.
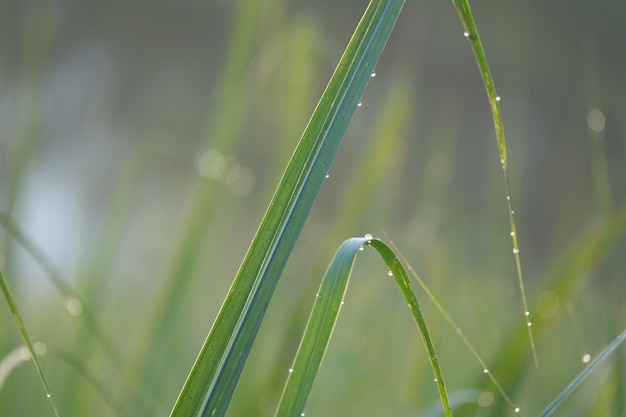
x,y
139,148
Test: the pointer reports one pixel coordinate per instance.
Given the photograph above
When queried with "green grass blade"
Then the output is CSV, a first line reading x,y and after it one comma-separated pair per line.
x,y
455,326
404,283
471,33
68,293
566,279
318,329
567,392
20,325
324,316
212,380
84,312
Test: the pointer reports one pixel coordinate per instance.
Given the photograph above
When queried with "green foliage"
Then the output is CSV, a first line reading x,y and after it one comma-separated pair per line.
x,y
29,344
154,272
214,376
324,316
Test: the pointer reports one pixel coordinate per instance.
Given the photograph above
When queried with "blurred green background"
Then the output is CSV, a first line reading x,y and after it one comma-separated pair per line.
x,y
140,145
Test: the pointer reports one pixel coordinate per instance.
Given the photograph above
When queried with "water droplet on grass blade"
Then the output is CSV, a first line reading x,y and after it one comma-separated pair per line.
x,y
516,410
389,273
485,371
368,237
373,74
359,104
327,176
49,395
290,370
466,34
361,249
515,251
527,313
497,98
586,358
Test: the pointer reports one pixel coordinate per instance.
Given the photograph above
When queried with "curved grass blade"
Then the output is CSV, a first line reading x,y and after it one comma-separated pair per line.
x,y
31,349
324,316
471,33
567,392
212,380
455,326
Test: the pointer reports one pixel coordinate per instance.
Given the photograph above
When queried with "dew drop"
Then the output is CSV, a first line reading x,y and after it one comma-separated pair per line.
x,y
512,234
361,249
327,176
466,34
529,324
502,161
301,414
485,371
290,370
497,98
586,358
373,74
512,211
435,379
389,273
527,313
341,302
49,395
516,410
359,104
515,251
508,198
368,237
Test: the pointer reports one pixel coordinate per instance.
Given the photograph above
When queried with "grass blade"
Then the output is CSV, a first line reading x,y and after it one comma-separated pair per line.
x,y
456,327
59,283
20,325
567,392
566,279
324,316
83,310
471,33
212,380
404,283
